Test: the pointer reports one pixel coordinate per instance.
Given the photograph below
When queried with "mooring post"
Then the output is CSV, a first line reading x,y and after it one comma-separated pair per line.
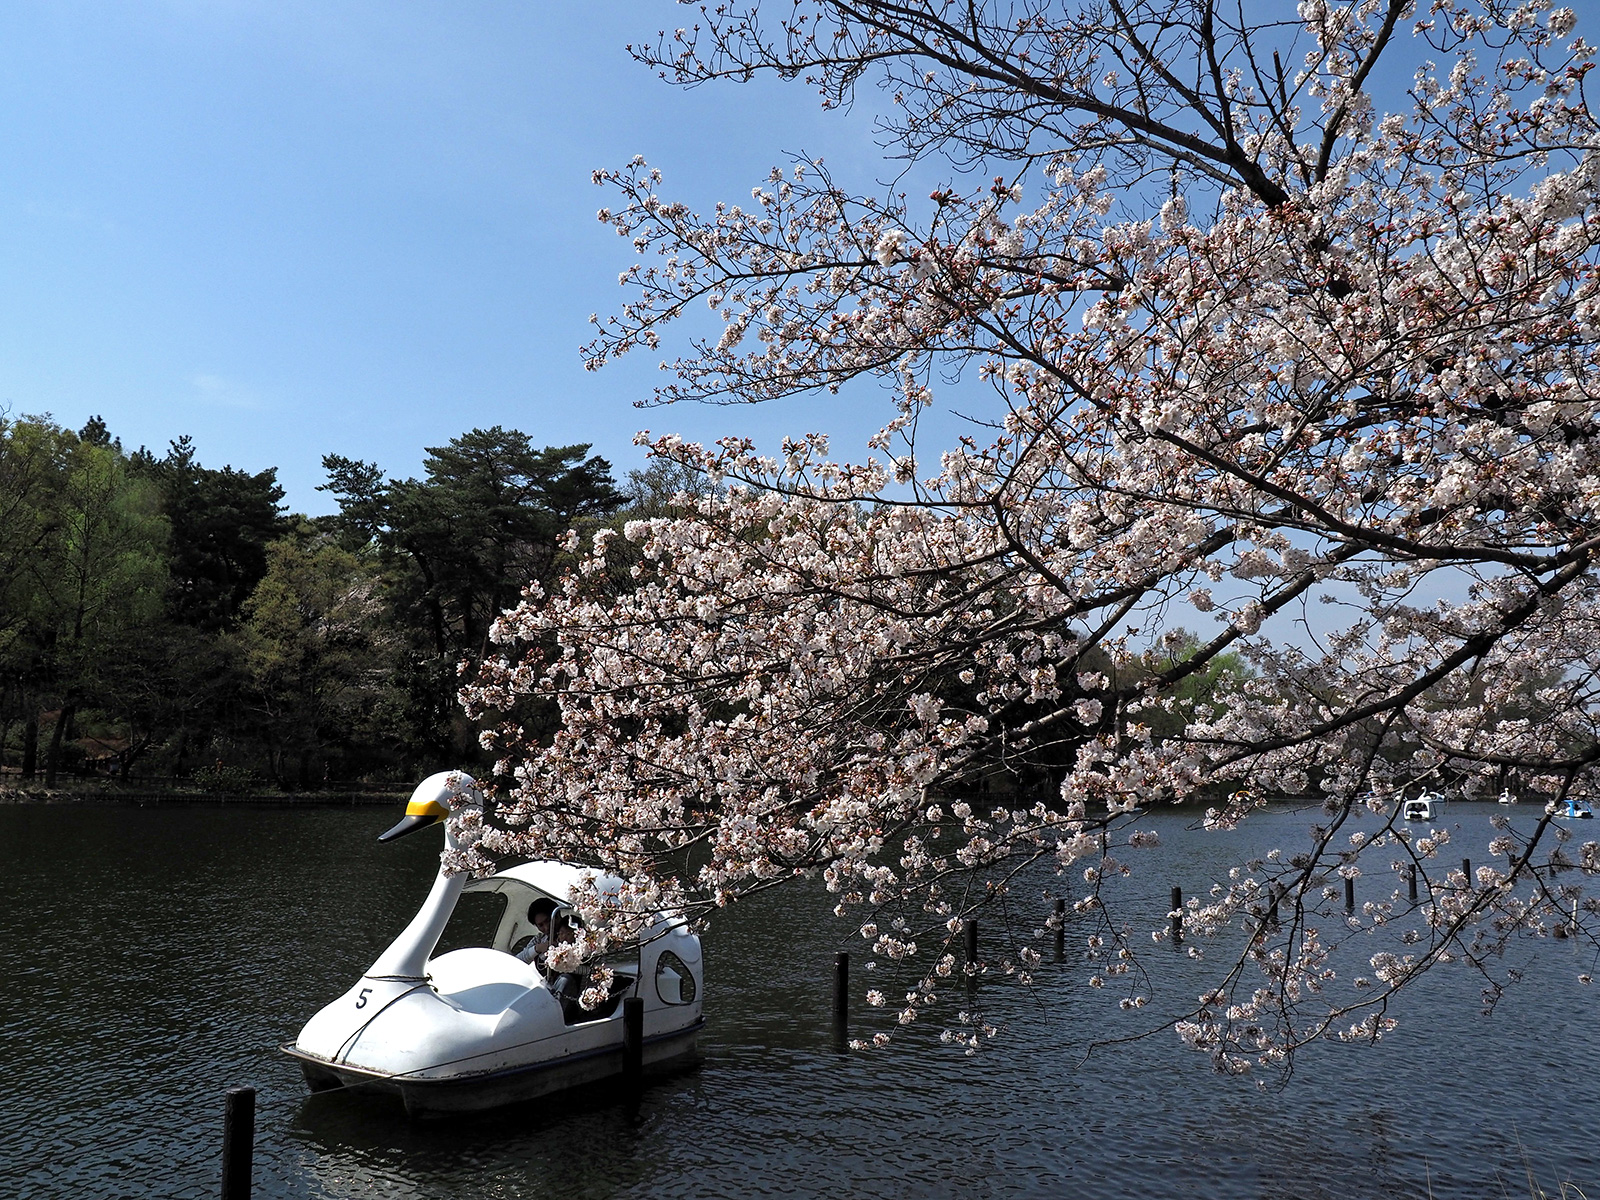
x,y
238,1142
633,1038
1177,914
1411,881
1349,894
969,934
1276,894
1061,928
841,987
1466,869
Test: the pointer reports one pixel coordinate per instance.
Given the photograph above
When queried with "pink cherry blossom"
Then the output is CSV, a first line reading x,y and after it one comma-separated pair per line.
x,y
1256,351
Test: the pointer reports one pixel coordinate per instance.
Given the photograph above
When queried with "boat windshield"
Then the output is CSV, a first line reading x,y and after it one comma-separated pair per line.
x,y
492,912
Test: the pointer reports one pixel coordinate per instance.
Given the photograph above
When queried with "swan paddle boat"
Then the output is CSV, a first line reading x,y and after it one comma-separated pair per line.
x,y
1576,809
478,1026
1423,808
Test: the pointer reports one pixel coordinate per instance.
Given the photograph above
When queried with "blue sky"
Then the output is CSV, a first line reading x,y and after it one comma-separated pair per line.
x,y
295,227
290,228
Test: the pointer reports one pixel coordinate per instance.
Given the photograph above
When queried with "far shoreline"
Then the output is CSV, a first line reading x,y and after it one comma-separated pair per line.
x,y
174,798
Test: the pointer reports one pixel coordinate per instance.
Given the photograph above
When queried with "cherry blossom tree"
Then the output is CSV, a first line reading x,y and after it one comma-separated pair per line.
x,y
1284,329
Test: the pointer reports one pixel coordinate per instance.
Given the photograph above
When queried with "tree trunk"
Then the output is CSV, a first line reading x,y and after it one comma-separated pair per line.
x,y
176,767
52,758
135,751
30,746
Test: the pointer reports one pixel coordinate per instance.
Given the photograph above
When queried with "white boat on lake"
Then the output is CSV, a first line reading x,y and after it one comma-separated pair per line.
x,y
479,1026
1422,808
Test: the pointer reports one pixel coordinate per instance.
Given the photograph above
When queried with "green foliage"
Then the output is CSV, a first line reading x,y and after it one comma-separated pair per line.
x,y
158,615
222,522
222,779
84,575
318,652
33,453
1197,692
457,548
108,569
164,695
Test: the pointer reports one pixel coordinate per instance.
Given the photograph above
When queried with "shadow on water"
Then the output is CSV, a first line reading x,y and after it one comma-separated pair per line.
x,y
157,957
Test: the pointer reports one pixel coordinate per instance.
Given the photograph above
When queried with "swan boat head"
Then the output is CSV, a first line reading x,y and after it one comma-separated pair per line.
x,y
479,1024
431,803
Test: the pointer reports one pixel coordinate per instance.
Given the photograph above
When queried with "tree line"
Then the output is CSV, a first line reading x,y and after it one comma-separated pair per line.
x,y
161,618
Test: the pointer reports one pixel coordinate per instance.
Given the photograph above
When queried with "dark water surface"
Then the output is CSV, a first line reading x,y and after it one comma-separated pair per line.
x,y
155,957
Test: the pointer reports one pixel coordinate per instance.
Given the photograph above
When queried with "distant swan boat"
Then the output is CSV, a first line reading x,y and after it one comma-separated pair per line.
x,y
1423,808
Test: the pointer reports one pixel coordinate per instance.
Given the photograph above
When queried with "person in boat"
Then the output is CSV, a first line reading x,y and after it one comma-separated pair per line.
x,y
565,986
532,948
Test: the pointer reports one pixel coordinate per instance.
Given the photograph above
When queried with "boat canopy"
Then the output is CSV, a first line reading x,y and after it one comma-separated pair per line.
x,y
558,880
526,882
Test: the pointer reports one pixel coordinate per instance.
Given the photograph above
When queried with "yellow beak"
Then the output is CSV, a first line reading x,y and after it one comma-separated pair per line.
x,y
419,815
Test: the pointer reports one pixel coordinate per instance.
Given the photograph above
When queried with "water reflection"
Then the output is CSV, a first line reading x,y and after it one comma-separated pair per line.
x,y
158,956
548,1143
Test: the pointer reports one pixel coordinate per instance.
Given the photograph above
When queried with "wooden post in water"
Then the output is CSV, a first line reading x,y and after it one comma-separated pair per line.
x,y
1349,894
1177,914
1061,928
1466,869
238,1142
841,987
1411,881
633,1038
1276,893
969,934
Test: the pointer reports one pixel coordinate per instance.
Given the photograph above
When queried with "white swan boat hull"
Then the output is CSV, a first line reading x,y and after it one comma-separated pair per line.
x,y
479,1027
473,1090
482,1029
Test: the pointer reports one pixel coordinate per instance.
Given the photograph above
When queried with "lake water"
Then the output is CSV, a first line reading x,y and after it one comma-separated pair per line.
x,y
156,956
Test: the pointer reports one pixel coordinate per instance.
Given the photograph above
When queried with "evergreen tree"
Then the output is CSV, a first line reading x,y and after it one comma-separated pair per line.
x,y
222,522
459,546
